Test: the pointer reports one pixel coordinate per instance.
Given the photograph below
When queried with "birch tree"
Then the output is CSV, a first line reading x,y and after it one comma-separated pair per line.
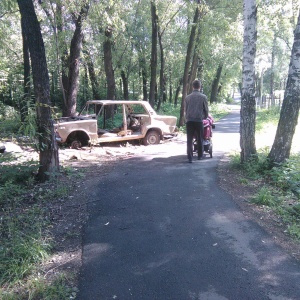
x,y
289,114
248,112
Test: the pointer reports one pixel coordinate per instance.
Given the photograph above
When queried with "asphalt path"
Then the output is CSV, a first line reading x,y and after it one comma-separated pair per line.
x,y
161,228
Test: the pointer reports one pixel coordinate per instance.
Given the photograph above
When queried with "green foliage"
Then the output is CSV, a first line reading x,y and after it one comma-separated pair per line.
x,y
264,197
9,121
39,289
281,189
25,240
286,176
294,230
20,174
254,168
218,110
19,255
57,290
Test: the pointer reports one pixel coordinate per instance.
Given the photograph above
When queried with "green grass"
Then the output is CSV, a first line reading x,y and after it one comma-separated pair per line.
x,y
266,116
24,223
278,188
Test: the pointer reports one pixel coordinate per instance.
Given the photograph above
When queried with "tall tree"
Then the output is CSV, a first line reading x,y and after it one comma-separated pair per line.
x,y
74,62
215,84
108,64
47,145
289,114
26,85
189,54
248,111
92,73
153,54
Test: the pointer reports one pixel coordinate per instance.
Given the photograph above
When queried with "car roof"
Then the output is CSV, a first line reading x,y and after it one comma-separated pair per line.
x,y
107,102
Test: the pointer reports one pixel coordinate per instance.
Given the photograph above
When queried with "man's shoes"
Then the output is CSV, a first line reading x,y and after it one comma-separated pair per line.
x,y
190,161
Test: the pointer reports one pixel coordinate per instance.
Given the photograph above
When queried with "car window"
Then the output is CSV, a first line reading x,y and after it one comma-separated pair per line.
x,y
111,117
136,109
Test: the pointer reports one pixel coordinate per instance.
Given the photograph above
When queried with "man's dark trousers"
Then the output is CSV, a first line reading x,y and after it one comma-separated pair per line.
x,y
194,129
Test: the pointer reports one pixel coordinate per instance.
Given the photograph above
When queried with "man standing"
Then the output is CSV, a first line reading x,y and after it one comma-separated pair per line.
x,y
196,110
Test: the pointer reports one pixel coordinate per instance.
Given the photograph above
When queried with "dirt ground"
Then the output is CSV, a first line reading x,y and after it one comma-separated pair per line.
x,y
69,215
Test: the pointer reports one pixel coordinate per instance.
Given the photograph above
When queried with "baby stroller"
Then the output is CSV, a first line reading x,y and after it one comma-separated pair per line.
x,y
208,125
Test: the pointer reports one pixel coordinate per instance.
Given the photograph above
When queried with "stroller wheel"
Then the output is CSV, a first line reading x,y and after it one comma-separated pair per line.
x,y
210,150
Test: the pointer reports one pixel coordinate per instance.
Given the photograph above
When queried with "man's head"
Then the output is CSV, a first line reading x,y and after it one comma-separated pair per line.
x,y
196,84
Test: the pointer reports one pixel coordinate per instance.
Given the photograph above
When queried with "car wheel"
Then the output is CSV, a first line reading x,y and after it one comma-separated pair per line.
x,y
76,144
152,138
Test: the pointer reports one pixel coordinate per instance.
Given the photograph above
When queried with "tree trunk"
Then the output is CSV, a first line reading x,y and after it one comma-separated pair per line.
x,y
125,85
193,73
170,87
144,79
63,52
272,72
153,54
195,63
26,86
47,145
162,82
247,123
108,65
177,93
215,84
289,114
74,59
92,73
187,63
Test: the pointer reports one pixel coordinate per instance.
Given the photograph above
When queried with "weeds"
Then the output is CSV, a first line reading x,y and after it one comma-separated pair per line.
x,y
280,190
24,223
264,197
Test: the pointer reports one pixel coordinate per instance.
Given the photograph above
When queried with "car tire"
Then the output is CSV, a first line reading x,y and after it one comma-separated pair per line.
x,y
152,138
76,144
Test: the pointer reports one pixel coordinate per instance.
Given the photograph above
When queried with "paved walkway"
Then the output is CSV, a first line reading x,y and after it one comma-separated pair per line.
x,y
161,228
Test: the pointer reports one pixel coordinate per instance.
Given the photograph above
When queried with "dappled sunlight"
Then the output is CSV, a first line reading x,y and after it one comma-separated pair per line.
x,y
211,294
162,261
96,251
237,234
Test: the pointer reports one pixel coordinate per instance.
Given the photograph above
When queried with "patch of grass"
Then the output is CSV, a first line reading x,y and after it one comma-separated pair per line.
x,y
36,288
24,235
264,197
243,181
294,230
255,168
218,111
280,187
265,116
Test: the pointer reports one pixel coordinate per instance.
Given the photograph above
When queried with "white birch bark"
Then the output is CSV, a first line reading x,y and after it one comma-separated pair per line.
x,y
247,124
290,106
